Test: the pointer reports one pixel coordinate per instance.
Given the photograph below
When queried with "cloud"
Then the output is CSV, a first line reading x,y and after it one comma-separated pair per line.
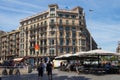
x,y
106,35
15,10
22,3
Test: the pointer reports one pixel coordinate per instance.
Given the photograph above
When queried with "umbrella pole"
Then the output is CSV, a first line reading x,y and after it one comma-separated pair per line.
x,y
98,61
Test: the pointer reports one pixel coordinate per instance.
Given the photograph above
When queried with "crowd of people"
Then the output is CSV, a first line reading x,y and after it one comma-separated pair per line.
x,y
12,68
107,68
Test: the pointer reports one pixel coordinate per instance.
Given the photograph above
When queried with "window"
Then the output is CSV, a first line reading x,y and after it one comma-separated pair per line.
x,y
61,34
73,42
61,50
41,23
74,50
52,27
52,20
67,34
52,9
45,22
67,41
34,26
67,28
60,15
37,24
73,29
52,33
80,17
61,41
67,50
80,23
83,49
73,16
67,16
80,12
67,22
60,21
83,42
52,15
52,51
45,16
61,28
51,41
73,22
73,34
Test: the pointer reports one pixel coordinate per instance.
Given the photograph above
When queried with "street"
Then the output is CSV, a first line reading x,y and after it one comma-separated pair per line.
x,y
61,75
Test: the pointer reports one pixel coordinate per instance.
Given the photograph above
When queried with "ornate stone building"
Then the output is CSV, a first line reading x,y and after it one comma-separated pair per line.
x,y
10,45
56,31
118,48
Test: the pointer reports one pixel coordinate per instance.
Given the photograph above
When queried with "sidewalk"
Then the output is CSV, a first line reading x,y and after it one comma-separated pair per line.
x,y
23,71
62,75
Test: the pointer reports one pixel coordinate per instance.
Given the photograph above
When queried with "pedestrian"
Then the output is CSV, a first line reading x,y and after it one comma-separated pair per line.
x,y
49,70
40,70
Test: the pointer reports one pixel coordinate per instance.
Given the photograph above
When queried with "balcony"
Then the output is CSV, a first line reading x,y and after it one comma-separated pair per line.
x,y
43,25
52,23
68,24
33,34
32,40
42,37
31,29
31,47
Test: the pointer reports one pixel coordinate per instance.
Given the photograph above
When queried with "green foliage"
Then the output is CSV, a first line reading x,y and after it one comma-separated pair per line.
x,y
109,58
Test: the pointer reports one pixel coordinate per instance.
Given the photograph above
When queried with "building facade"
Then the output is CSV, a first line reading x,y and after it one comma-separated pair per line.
x,y
10,45
1,33
118,48
56,31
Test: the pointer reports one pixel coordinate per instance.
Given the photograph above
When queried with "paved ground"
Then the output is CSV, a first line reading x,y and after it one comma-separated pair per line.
x,y
60,75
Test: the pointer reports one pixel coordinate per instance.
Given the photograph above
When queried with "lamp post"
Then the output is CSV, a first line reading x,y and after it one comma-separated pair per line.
x,y
90,34
90,42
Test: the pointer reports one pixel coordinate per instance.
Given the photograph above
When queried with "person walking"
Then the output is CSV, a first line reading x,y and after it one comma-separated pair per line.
x,y
40,70
49,70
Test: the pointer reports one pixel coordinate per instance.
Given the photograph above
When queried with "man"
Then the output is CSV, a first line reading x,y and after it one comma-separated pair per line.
x,y
40,69
49,70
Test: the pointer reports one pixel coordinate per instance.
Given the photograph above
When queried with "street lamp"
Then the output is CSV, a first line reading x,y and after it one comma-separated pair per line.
x,y
90,34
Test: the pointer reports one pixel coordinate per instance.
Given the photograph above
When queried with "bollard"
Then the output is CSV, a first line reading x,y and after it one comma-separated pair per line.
x,y
11,71
29,68
17,71
4,72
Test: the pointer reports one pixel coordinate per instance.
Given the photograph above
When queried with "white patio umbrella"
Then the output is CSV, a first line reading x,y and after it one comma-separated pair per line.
x,y
82,56
79,54
101,52
64,56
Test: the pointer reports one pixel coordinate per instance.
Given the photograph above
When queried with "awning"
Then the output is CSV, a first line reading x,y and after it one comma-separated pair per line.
x,y
18,59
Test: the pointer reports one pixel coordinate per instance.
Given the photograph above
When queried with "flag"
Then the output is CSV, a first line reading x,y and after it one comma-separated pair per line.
x,y
36,47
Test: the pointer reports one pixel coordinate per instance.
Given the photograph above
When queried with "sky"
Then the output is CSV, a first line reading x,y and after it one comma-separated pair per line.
x,y
103,21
